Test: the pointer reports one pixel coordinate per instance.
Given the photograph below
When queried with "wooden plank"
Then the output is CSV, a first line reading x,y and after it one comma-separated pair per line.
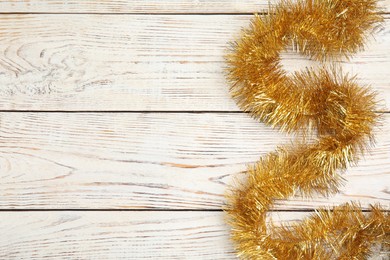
x,y
152,160
138,62
142,6
122,235
114,235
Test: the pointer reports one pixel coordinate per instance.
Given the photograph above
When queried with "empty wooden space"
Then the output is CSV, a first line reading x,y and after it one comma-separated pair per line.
x,y
118,137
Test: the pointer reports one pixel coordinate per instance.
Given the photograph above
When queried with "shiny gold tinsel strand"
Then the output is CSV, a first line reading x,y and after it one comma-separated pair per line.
x,y
335,106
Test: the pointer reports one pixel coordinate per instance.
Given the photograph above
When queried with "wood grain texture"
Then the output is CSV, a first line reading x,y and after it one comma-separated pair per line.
x,y
142,6
122,235
114,235
152,160
76,55
138,62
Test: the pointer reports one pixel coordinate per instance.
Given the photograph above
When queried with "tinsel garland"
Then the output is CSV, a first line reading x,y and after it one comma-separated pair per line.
x,y
325,102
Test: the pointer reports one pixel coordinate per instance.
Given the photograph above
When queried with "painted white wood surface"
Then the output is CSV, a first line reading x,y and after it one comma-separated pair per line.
x,y
122,235
152,160
143,6
65,56
138,62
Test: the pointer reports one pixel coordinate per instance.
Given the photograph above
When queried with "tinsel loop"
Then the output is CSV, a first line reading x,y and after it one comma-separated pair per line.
x,y
324,101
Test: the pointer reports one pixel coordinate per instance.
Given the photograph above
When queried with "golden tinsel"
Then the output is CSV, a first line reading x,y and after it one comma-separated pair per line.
x,y
333,105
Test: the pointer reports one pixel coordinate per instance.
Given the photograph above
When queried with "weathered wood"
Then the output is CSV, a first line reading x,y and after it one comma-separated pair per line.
x,y
122,235
114,235
130,62
151,160
137,62
142,6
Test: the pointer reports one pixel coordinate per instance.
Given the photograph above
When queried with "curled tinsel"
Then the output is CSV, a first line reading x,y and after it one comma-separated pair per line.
x,y
341,112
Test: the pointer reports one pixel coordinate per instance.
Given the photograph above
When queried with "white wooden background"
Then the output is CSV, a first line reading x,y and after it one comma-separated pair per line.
x,y
118,136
